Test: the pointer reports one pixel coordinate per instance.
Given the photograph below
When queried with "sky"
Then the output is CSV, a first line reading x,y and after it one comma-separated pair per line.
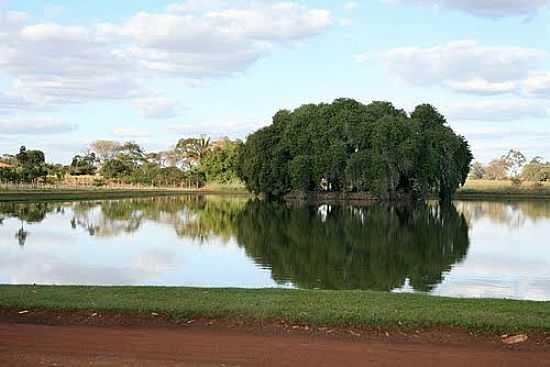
x,y
154,71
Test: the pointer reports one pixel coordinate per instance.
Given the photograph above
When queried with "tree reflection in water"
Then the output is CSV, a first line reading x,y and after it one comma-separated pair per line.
x,y
342,247
512,214
192,216
378,247
27,213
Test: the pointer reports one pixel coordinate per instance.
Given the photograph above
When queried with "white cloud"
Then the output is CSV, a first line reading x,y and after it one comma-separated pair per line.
x,y
482,86
55,64
52,32
63,89
34,126
497,110
362,58
49,267
278,21
156,107
10,103
214,43
537,84
11,19
484,8
465,66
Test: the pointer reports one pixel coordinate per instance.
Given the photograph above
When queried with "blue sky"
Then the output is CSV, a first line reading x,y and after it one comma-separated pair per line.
x,y
153,71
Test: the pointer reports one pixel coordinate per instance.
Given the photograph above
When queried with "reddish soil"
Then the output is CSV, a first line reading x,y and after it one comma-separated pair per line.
x,y
90,339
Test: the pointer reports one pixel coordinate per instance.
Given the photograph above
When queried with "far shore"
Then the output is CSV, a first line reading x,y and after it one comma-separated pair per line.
x,y
472,190
102,193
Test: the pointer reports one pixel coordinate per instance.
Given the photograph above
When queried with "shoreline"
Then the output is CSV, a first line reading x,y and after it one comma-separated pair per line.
x,y
348,309
497,195
99,194
27,195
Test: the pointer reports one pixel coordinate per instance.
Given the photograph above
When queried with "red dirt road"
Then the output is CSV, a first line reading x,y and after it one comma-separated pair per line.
x,y
41,345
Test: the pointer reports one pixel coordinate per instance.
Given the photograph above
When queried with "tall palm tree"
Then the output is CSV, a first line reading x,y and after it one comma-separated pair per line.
x,y
194,149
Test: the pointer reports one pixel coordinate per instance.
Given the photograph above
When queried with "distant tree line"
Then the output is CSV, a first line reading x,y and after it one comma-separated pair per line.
x,y
347,146
513,165
192,162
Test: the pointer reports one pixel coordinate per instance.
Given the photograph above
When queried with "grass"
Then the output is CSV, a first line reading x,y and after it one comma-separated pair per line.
x,y
235,186
318,308
503,189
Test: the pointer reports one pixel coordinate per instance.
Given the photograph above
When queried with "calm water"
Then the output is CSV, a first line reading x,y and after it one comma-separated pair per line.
x,y
472,248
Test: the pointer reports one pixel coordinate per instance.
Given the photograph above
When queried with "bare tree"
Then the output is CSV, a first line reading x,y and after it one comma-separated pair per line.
x,y
497,169
105,149
515,161
477,171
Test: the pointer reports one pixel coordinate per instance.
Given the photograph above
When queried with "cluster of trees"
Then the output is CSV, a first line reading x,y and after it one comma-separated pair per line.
x,y
192,162
26,166
352,147
513,165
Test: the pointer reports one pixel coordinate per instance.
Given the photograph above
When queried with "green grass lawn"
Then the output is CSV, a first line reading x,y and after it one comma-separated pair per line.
x,y
318,308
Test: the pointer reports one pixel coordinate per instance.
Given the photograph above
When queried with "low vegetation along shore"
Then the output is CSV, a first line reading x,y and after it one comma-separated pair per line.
x,y
62,195
103,193
503,189
317,308
473,189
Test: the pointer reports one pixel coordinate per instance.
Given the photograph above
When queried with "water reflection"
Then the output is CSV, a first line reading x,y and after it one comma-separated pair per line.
x,y
195,217
513,214
26,213
376,247
427,248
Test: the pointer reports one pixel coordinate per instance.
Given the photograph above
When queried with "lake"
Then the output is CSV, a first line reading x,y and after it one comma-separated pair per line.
x,y
491,249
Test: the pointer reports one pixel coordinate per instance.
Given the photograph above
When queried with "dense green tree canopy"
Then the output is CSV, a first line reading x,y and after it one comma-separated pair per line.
x,y
349,146
30,166
83,164
220,162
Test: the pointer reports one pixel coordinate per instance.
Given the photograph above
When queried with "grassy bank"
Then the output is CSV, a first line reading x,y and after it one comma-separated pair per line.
x,y
502,190
55,195
474,189
319,308
97,194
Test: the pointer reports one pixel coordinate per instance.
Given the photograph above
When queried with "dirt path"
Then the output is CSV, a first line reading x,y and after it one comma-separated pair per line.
x,y
41,345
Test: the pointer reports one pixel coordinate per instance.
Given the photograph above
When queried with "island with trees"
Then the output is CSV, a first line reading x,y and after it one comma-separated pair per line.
x,y
347,146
